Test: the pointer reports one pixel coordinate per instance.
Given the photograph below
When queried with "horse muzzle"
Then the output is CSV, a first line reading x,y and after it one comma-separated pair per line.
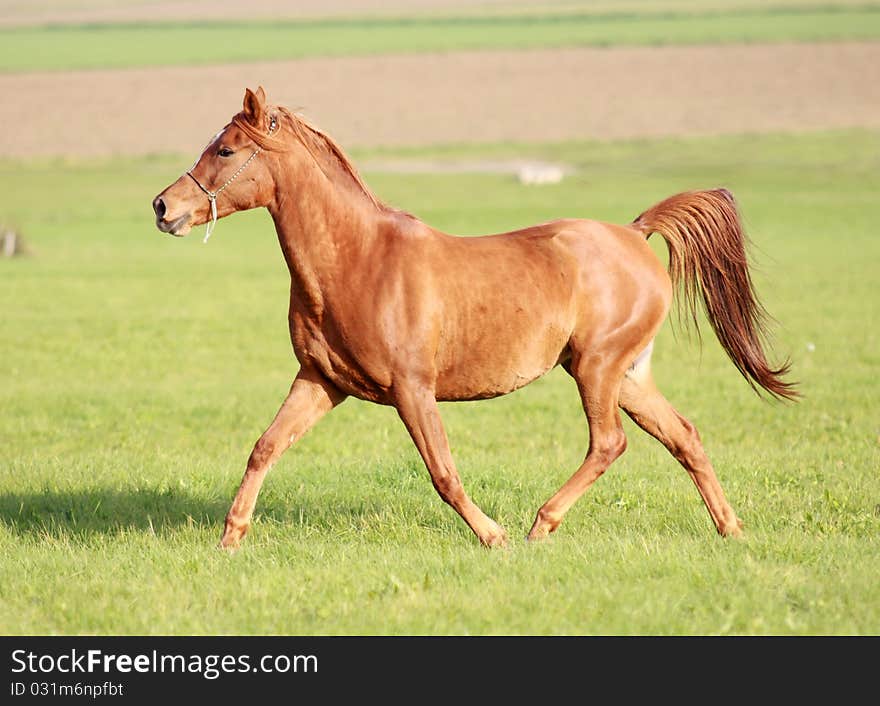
x,y
179,226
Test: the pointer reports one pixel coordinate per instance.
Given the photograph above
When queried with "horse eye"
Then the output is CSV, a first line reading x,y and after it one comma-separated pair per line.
x,y
225,152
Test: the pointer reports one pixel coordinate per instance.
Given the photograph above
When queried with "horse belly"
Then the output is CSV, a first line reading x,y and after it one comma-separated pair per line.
x,y
497,361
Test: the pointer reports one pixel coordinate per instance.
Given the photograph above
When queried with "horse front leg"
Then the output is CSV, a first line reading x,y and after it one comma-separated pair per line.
x,y
311,397
418,410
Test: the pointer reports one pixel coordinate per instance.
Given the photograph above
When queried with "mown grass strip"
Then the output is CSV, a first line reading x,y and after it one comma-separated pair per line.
x,y
60,48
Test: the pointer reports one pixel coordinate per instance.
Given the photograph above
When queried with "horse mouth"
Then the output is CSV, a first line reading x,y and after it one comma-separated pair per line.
x,y
178,227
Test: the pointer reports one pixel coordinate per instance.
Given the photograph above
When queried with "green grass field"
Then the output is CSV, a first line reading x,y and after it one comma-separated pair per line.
x,y
56,47
139,369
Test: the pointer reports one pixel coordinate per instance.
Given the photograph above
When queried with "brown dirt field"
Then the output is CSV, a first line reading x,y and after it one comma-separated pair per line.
x,y
460,97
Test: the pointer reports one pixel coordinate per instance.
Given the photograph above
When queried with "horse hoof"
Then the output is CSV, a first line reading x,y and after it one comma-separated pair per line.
x,y
229,544
542,527
231,539
735,530
537,535
496,538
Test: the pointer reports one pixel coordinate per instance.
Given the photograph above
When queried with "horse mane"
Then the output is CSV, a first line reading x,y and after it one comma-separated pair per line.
x,y
317,143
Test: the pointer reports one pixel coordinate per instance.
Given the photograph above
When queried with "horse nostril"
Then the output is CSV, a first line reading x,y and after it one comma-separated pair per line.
x,y
159,207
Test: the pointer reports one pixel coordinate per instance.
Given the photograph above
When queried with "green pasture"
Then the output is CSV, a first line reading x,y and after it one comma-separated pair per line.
x,y
139,369
64,47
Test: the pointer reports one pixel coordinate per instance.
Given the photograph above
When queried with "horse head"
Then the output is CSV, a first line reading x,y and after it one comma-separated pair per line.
x,y
228,176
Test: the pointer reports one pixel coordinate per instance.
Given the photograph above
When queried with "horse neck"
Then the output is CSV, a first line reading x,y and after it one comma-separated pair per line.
x,y
324,228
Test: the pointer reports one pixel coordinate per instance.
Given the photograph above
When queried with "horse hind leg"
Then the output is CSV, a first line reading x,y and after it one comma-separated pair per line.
x,y
642,401
599,388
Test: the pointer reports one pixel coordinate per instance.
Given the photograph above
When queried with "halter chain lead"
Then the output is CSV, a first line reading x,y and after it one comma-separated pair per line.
x,y
212,195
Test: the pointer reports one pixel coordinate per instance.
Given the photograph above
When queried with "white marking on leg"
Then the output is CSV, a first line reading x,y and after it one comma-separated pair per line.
x,y
639,368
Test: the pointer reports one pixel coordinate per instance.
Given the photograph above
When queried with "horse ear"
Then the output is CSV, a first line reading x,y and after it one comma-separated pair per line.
x,y
254,106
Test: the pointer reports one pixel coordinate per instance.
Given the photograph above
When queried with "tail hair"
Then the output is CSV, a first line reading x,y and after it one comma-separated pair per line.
x,y
708,263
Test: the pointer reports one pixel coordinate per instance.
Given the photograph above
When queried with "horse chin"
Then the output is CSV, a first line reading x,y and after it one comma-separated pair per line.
x,y
181,230
178,227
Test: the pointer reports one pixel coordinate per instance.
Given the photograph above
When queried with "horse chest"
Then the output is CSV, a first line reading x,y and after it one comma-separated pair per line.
x,y
319,344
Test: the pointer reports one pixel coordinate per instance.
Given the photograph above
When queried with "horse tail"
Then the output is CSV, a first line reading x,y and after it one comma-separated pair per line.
x,y
707,260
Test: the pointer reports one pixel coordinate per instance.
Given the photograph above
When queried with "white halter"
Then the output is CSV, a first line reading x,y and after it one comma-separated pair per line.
x,y
212,195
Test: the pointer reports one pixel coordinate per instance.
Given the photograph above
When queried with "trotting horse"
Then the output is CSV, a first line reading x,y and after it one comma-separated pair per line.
x,y
387,309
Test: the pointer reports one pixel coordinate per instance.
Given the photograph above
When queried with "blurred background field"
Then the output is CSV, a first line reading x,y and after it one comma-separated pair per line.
x,y
158,42
140,369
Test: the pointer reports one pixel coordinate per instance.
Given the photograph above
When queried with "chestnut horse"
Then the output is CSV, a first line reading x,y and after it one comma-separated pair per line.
x,y
387,309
